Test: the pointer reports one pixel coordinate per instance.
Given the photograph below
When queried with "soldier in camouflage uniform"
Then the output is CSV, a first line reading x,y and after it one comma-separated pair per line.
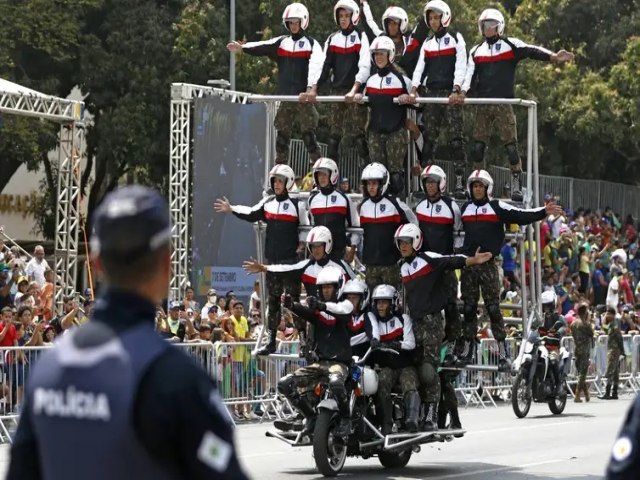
x,y
347,62
490,73
615,349
484,221
380,215
582,332
282,215
300,59
425,299
440,71
392,330
387,137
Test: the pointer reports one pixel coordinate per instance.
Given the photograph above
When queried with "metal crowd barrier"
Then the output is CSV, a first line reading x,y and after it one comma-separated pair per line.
x,y
248,385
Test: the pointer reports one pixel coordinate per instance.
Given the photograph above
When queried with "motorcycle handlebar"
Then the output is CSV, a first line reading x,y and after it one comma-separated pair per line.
x,y
360,361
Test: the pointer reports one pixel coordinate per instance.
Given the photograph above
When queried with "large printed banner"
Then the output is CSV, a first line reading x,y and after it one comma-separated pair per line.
x,y
229,144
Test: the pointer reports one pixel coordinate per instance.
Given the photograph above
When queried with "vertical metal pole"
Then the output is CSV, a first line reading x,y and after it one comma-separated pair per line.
x,y
232,34
179,187
537,203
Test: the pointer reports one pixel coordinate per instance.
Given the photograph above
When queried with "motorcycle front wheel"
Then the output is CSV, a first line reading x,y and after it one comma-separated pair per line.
x,y
556,405
520,401
329,451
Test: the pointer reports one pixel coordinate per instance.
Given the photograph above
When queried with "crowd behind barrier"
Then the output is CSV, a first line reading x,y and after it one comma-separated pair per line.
x,y
248,384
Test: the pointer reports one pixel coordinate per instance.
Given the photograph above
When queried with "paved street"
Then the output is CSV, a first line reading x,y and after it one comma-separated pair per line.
x,y
498,446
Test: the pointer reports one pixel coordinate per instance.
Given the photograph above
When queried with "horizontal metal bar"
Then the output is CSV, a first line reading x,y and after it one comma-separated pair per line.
x,y
411,438
477,101
189,91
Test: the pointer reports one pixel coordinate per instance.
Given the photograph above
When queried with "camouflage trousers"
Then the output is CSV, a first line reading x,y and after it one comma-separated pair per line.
x,y
582,365
310,375
289,114
498,119
346,119
379,274
448,399
437,117
428,332
613,366
452,315
276,286
483,277
389,377
389,149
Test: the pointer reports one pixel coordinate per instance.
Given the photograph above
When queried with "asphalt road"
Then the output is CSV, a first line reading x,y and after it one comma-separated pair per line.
x,y
498,446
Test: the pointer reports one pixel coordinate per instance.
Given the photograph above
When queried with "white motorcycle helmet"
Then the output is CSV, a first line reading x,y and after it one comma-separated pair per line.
x,y
548,299
356,286
411,232
491,14
296,11
331,275
320,234
286,173
383,44
376,171
385,292
396,14
483,177
436,173
441,8
350,6
330,166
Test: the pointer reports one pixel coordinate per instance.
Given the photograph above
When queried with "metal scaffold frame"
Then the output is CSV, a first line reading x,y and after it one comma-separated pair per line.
x,y
17,100
182,96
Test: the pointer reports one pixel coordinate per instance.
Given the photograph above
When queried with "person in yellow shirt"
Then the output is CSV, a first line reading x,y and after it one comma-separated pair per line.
x,y
240,356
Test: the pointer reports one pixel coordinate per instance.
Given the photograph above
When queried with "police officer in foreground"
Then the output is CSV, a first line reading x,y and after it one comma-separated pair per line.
x,y
112,399
624,463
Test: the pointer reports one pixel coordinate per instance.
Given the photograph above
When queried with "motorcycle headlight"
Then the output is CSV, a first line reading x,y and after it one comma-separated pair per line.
x,y
528,347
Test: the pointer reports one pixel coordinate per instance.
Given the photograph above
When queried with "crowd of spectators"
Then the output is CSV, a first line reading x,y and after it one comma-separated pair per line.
x,y
27,315
588,257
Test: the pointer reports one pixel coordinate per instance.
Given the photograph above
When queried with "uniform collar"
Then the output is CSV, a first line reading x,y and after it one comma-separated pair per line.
x,y
480,203
122,309
348,31
327,190
440,33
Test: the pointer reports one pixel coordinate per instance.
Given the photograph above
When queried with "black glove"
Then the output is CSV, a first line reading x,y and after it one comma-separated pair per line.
x,y
312,302
321,306
375,343
286,300
393,345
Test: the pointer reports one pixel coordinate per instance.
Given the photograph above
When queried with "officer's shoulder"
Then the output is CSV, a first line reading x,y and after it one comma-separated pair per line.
x,y
625,451
173,371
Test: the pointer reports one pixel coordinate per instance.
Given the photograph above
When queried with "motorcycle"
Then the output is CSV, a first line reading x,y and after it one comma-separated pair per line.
x,y
535,380
365,439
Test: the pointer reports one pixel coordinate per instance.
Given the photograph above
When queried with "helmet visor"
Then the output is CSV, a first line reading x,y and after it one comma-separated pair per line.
x,y
489,25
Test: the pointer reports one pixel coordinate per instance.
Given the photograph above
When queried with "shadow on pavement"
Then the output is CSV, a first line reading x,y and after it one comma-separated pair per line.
x,y
437,471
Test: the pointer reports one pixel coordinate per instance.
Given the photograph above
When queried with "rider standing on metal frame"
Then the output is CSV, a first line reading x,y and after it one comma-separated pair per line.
x,y
283,215
491,73
300,59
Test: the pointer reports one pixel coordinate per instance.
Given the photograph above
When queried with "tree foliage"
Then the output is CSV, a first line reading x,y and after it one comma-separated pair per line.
x,y
124,54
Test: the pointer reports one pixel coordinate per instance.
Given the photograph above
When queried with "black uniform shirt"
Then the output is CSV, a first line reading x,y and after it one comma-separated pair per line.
x,y
176,404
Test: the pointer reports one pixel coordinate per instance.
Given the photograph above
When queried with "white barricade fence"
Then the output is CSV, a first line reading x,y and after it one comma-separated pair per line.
x,y
493,383
627,380
17,363
248,385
